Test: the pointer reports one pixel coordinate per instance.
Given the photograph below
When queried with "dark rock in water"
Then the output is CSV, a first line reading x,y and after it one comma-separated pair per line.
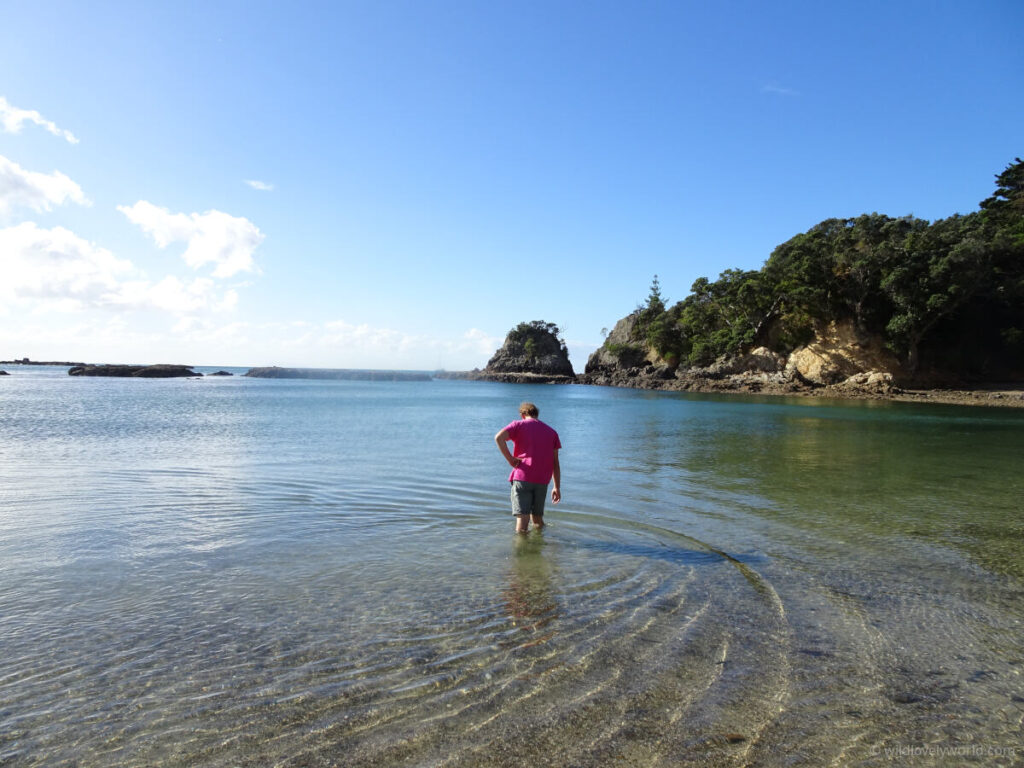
x,y
520,378
165,372
161,371
532,352
274,372
4,373
220,373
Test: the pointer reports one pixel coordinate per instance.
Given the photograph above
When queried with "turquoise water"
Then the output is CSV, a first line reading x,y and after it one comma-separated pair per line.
x,y
236,571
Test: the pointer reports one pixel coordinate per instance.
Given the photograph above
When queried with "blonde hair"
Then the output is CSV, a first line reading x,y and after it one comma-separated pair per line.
x,y
528,409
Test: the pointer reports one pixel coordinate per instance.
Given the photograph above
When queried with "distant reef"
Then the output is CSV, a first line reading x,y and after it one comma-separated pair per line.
x,y
274,372
162,371
26,361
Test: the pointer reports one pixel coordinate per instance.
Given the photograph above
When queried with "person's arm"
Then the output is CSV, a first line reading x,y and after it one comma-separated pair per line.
x,y
556,476
502,439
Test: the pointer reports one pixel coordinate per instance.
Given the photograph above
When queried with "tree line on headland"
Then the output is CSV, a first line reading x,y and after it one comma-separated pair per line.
x,y
947,296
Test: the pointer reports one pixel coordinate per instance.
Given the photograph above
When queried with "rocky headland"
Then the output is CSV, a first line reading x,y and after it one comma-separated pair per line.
x,y
838,362
836,359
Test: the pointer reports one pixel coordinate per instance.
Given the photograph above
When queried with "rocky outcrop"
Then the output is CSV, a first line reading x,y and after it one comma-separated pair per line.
x,y
220,373
274,372
619,350
4,373
533,352
873,383
838,352
838,362
162,371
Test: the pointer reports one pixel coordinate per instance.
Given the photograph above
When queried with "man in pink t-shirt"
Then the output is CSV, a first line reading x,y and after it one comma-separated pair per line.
x,y
534,462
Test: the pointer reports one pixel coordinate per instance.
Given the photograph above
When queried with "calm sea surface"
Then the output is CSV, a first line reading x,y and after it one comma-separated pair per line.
x,y
235,572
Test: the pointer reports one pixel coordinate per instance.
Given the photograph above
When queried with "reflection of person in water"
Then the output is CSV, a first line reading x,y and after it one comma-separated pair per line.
x,y
529,597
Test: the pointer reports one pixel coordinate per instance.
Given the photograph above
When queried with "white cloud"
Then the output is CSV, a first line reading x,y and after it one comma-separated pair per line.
x,y
55,269
12,118
482,342
336,344
778,90
57,264
170,295
370,346
20,188
262,186
211,237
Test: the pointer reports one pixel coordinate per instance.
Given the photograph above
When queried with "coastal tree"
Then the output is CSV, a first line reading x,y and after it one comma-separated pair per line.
x,y
951,290
935,270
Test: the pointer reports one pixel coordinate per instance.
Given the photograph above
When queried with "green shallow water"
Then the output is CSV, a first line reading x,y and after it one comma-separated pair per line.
x,y
255,572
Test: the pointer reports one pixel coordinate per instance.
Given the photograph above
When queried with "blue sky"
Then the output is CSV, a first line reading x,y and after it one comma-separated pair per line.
x,y
397,184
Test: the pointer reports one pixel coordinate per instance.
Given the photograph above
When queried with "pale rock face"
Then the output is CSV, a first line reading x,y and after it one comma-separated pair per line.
x,y
876,382
837,354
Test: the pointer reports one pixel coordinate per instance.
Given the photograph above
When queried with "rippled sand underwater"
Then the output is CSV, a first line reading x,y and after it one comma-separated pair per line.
x,y
276,580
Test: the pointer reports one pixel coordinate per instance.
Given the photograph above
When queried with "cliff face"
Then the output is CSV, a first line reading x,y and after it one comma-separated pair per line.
x,y
531,352
619,351
836,358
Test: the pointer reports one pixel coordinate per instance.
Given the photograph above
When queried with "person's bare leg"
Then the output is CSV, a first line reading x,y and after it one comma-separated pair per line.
x,y
522,523
538,522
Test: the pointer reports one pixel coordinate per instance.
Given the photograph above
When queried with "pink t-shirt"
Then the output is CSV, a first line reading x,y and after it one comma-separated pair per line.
x,y
535,443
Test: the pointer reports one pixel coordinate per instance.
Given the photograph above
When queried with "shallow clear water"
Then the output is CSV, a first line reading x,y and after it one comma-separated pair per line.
x,y
242,571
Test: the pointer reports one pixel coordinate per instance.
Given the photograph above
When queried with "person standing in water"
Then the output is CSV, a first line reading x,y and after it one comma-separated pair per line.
x,y
534,462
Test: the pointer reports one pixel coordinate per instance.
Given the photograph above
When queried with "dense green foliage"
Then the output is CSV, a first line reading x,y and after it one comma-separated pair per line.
x,y
947,295
535,336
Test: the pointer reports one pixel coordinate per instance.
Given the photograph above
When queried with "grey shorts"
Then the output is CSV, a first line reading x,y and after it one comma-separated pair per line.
x,y
528,498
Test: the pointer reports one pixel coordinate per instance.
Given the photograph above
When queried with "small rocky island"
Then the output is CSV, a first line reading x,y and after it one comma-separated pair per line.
x,y
161,371
533,353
